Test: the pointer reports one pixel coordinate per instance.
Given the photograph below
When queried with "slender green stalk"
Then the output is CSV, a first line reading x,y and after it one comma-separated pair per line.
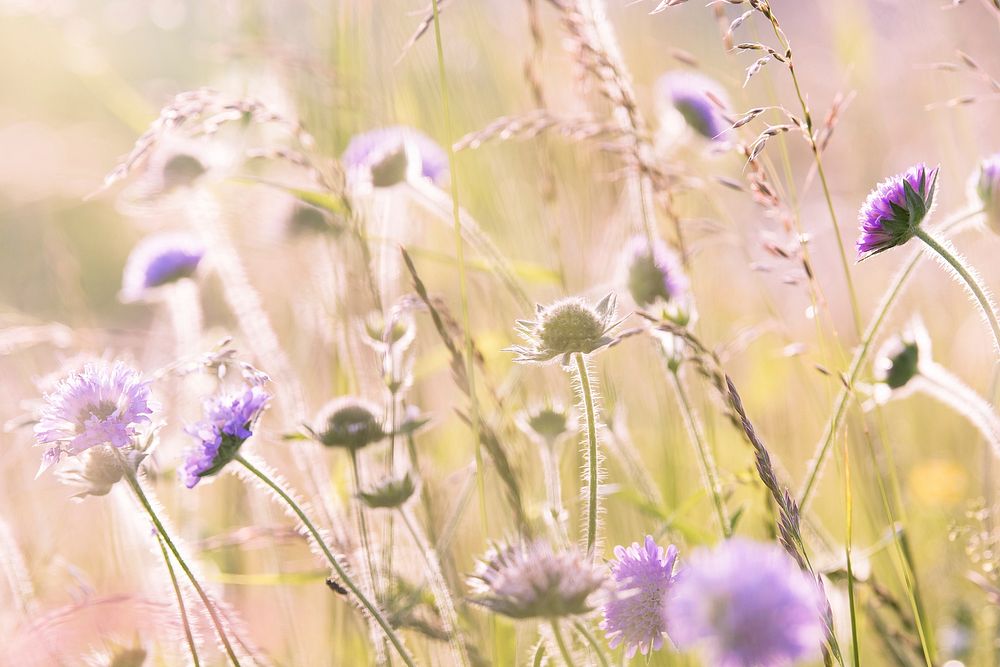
x,y
585,632
593,465
133,482
849,509
553,487
953,260
539,655
345,578
366,545
561,643
705,457
188,635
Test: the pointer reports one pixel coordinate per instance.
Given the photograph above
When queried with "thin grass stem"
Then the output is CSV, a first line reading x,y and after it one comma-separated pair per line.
x,y
188,635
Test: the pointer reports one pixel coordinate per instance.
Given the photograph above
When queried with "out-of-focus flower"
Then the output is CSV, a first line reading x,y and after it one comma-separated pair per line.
x,y
566,327
986,185
532,580
389,493
389,155
158,260
894,209
691,95
229,420
899,359
350,423
545,425
653,273
97,470
643,578
746,604
101,404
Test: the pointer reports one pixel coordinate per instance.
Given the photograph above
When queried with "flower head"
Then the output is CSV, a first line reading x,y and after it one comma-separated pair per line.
x,y
643,577
389,493
694,97
898,360
101,404
545,425
986,184
97,470
746,604
387,155
894,209
158,260
566,327
531,580
351,423
653,273
229,420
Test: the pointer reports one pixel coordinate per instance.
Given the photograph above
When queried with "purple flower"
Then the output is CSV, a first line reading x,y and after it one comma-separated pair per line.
x,y
894,210
157,260
388,150
691,95
101,404
229,421
531,580
643,577
653,273
746,604
987,187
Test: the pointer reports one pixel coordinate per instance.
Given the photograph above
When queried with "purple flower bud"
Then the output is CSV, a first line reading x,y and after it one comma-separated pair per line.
x,y
383,156
654,274
158,260
229,421
987,187
691,94
894,210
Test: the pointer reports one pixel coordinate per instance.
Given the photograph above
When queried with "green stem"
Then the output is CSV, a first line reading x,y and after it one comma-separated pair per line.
x,y
133,482
188,635
966,275
584,631
705,457
334,563
849,503
363,522
561,643
592,462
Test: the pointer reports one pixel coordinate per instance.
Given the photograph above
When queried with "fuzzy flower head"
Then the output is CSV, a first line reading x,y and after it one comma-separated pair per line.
x,y
532,580
899,359
986,185
567,327
100,404
389,493
653,274
389,155
746,604
643,577
894,209
694,97
350,423
230,419
159,260
545,425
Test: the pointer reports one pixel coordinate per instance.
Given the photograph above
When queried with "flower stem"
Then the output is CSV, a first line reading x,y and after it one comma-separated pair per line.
x,y
363,523
561,643
334,563
592,462
953,260
585,632
188,635
163,535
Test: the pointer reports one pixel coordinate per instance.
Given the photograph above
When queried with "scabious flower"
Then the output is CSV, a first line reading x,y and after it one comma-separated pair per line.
x,y
532,580
746,604
387,155
350,423
894,209
986,185
566,327
643,578
101,404
899,359
229,420
653,273
691,95
389,493
544,425
158,260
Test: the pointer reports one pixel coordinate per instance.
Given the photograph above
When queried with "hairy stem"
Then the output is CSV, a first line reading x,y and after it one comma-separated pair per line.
x,y
593,464
561,643
188,635
585,632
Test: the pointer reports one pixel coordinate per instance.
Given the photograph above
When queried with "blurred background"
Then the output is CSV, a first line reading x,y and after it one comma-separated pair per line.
x,y
82,80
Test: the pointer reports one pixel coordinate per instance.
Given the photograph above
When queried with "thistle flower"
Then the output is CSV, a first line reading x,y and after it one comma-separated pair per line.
x,y
691,95
566,327
158,260
531,580
100,404
389,493
986,185
643,578
746,604
388,155
895,209
653,273
229,420
350,423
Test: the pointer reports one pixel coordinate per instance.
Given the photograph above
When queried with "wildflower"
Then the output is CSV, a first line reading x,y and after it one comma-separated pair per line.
x,y
531,580
395,332
900,358
545,425
229,420
305,218
987,189
895,209
158,260
746,604
97,470
390,493
100,404
570,326
653,273
388,155
643,577
350,423
694,97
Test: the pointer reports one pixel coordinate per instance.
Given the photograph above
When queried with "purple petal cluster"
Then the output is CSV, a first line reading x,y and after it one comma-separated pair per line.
x,y
987,186
643,577
102,403
894,210
654,274
368,149
746,604
158,260
229,421
690,94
